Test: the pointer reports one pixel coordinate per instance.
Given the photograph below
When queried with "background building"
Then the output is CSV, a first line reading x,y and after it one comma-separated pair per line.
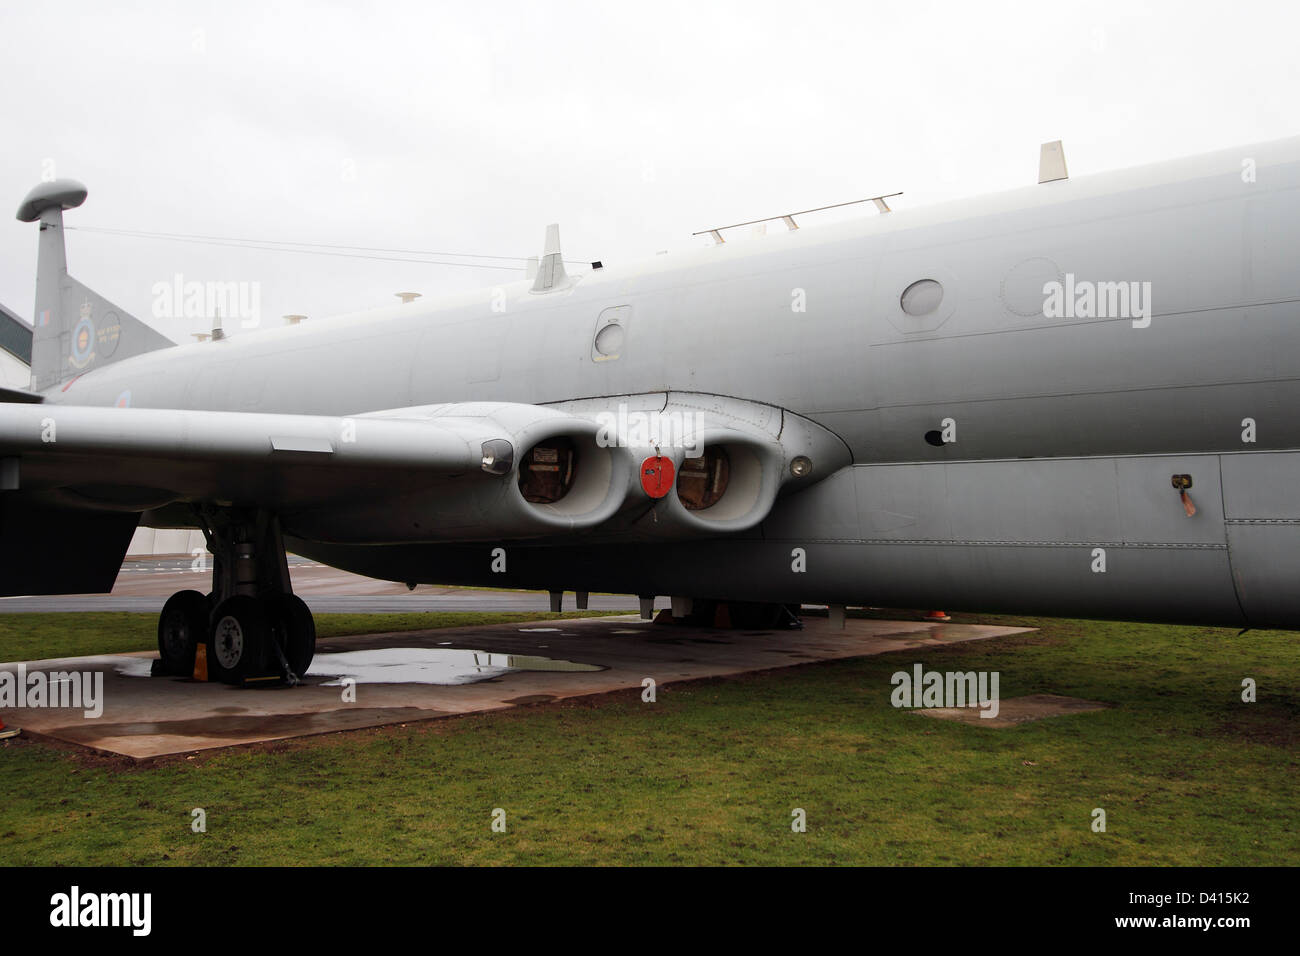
x,y
15,350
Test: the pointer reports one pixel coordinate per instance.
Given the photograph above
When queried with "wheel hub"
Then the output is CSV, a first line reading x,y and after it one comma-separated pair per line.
x,y
229,644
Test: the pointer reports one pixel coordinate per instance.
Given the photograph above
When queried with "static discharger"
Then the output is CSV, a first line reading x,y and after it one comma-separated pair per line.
x,y
788,218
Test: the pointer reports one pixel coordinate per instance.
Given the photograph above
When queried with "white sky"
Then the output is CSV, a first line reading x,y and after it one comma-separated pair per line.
x,y
467,127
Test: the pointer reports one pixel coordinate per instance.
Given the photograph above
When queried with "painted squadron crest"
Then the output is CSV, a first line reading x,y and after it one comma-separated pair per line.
x,y
83,338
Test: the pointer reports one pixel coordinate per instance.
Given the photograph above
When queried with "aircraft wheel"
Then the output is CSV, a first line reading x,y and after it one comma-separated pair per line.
x,y
237,640
297,629
181,625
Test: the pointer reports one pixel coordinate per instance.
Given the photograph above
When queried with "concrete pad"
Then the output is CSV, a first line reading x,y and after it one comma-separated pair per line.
x,y
1016,710
147,717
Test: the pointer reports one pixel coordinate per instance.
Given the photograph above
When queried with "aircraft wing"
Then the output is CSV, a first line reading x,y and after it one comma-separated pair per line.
x,y
454,472
137,459
483,471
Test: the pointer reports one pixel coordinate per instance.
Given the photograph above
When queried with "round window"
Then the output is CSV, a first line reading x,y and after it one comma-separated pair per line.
x,y
921,297
609,340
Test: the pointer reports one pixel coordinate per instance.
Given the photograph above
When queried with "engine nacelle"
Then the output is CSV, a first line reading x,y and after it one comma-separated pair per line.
x,y
730,460
549,471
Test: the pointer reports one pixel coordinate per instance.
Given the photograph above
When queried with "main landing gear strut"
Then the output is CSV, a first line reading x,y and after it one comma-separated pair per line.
x,y
252,624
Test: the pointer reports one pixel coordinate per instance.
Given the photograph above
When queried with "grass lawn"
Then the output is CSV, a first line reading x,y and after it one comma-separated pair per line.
x,y
1186,772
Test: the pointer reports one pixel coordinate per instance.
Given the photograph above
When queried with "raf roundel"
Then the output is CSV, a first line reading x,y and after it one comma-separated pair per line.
x,y
83,341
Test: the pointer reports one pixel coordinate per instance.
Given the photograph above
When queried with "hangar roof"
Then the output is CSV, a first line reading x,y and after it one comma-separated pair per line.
x,y
15,336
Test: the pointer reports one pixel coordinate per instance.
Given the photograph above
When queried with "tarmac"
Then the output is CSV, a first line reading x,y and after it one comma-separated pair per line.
x,y
144,584
381,679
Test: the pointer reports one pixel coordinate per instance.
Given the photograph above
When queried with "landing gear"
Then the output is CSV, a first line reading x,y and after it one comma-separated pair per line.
x,y
238,639
252,624
182,625
295,631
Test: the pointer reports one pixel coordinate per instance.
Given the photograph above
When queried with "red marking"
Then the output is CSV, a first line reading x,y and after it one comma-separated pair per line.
x,y
70,382
657,475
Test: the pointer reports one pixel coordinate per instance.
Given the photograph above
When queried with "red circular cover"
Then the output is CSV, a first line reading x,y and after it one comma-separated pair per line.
x,y
657,475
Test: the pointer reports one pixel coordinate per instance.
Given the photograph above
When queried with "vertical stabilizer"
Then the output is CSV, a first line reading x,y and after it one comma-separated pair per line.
x,y
76,329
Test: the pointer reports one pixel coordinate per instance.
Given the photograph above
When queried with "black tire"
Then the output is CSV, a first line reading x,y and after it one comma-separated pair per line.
x,y
182,624
296,631
237,640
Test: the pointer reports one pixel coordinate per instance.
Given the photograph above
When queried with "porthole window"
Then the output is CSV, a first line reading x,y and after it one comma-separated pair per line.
x,y
609,340
921,297
610,335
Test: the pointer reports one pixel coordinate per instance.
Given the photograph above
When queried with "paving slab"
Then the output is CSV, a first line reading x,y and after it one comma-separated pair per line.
x,y
421,675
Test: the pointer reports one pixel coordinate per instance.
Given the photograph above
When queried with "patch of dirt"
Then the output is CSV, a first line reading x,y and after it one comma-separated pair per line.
x,y
531,699
1016,710
1273,727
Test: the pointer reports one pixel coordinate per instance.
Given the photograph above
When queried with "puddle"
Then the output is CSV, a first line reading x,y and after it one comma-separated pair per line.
x,y
430,665
404,665
134,666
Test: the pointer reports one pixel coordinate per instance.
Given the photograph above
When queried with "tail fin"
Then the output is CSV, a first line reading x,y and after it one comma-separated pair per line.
x,y
76,328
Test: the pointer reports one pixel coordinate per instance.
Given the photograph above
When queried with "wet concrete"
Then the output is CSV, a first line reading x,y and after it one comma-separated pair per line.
x,y
150,717
430,665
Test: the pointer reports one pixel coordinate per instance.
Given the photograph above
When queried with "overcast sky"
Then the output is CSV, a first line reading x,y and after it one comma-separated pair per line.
x,y
467,127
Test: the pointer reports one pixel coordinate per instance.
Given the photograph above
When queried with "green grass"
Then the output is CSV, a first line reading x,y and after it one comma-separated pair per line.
x,y
26,637
1187,773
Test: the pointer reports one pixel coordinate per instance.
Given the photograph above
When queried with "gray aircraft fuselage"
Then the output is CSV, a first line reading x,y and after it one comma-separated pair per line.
x,y
1001,458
